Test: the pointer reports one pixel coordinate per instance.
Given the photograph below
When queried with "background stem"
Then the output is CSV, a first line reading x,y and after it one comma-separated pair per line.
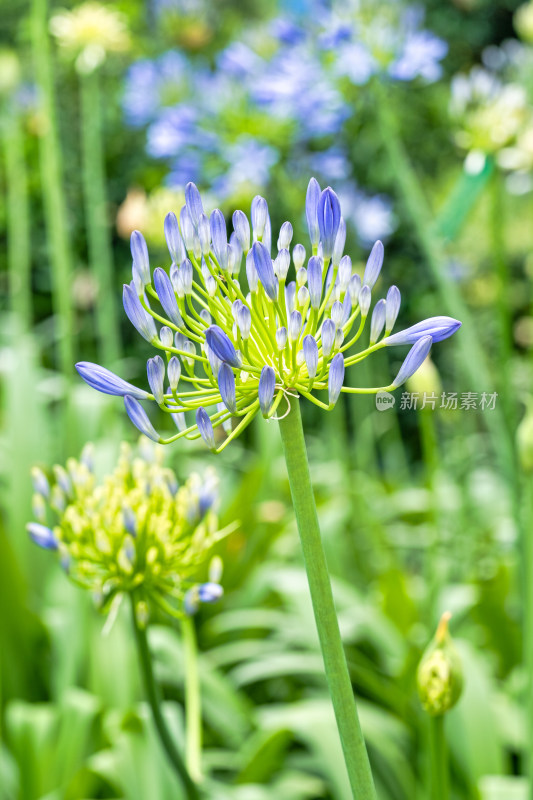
x,y
52,190
100,253
154,700
193,707
337,675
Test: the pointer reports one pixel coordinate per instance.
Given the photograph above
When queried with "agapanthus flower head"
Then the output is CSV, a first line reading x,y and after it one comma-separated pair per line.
x,y
136,531
91,31
228,351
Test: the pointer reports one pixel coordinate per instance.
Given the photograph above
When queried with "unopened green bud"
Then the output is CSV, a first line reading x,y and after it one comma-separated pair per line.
x,y
524,440
439,676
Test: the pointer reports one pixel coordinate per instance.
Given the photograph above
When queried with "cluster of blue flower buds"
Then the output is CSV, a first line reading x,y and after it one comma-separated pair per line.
x,y
238,351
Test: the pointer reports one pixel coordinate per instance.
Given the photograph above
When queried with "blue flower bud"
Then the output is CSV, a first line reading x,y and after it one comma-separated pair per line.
x,y
205,426
365,298
173,238
210,592
290,297
138,317
310,349
204,234
226,387
378,321
235,306
346,309
138,416
244,321
302,296
345,272
337,313
103,380
40,481
354,287
155,368
179,421
339,338
414,359
328,336
281,264
281,337
137,280
194,203
298,256
393,308
186,276
226,424
42,535
222,346
139,252
374,264
314,281
166,296
265,270
295,325
340,241
251,272
438,328
259,216
329,217
241,227
301,277
285,236
219,237
174,373
267,235
266,388
187,229
311,210
336,378
166,336
236,251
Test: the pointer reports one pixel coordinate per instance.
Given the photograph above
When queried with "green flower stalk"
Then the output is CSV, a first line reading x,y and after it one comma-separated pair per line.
x,y
136,534
243,352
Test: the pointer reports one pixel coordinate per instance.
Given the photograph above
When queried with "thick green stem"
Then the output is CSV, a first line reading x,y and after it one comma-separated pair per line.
x,y
337,675
100,253
52,189
154,700
527,579
193,707
438,759
18,217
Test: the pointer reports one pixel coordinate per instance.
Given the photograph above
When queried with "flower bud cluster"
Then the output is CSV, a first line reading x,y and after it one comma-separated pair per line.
x,y
136,531
241,350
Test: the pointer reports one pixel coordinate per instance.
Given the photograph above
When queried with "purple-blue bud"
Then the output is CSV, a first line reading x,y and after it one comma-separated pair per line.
x,y
285,236
219,237
174,373
365,298
327,336
226,387
298,256
374,264
155,368
194,203
204,234
166,296
311,210
205,427
294,325
259,216
336,378
310,349
266,388
438,328
314,281
244,321
378,321
251,272
393,308
338,246
136,314
42,535
103,380
222,346
210,592
138,416
241,226
414,359
329,217
173,238
139,252
265,270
